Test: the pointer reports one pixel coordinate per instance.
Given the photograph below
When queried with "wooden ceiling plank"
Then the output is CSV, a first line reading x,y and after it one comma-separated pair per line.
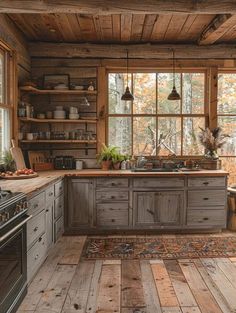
x,y
62,21
119,7
87,27
137,27
156,51
186,27
116,27
229,36
197,27
149,23
160,27
75,26
53,29
126,22
217,28
174,27
106,27
97,26
23,24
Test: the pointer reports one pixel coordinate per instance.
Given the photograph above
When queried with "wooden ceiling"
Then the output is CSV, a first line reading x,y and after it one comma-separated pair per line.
x,y
124,28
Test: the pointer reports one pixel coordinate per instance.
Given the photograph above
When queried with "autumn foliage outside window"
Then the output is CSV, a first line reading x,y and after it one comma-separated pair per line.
x,y
138,127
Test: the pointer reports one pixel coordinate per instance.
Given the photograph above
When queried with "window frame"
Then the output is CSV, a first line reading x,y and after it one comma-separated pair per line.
x,y
205,114
9,87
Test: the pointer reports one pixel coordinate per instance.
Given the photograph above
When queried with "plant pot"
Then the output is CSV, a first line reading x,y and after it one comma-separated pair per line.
x,y
116,165
106,165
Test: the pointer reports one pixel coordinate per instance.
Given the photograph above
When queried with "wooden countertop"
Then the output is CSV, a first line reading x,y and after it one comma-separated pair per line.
x,y
34,185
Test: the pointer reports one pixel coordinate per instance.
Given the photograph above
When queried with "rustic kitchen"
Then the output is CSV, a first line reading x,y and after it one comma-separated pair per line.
x,y
117,156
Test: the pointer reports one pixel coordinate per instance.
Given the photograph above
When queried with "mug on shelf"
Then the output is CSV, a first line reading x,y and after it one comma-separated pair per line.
x,y
29,136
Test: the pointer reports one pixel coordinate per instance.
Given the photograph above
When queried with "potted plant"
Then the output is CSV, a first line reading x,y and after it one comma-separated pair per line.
x,y
105,156
8,161
212,141
117,158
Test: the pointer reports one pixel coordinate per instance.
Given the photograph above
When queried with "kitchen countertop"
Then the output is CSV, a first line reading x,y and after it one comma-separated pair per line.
x,y
33,185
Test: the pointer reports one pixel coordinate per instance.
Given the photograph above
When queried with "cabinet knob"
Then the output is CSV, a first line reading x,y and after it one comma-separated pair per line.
x,y
51,194
36,228
206,183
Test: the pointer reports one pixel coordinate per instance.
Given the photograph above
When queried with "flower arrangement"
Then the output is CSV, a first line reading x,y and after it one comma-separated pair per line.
x,y
212,140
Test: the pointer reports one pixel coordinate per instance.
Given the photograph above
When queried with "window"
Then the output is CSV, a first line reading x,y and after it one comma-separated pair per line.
x,y
5,107
153,125
226,112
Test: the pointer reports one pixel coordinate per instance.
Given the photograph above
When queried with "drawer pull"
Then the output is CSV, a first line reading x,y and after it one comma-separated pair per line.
x,y
113,220
206,183
60,188
36,257
36,205
113,184
51,194
113,197
149,211
36,228
40,239
205,198
205,218
47,210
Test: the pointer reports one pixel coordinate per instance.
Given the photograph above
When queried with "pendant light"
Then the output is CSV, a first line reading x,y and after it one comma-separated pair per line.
x,y
174,95
127,96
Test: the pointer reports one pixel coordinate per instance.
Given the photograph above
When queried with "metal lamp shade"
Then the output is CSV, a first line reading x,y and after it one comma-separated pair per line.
x,y
127,96
174,95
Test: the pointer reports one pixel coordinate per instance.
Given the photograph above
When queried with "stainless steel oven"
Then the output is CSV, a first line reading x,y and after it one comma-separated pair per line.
x,y
13,256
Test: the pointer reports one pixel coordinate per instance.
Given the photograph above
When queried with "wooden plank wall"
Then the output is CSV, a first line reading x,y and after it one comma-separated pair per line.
x,y
10,35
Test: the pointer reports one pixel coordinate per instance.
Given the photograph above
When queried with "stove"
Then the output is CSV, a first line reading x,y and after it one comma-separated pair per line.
x,y
12,205
13,252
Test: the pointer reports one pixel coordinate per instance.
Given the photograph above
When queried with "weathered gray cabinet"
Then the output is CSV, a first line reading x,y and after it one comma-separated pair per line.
x,y
79,204
158,208
49,225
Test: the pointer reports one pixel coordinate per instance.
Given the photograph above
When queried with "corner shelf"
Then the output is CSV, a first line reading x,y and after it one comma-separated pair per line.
x,y
91,142
37,120
37,91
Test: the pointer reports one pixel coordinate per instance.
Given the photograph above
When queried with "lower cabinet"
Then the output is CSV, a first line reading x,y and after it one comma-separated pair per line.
x,y
49,225
158,208
79,204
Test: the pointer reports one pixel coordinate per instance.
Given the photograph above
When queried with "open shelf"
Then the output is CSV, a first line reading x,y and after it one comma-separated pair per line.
x,y
37,91
91,142
37,120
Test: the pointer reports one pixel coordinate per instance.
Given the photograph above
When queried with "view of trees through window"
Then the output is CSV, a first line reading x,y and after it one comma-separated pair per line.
x,y
151,124
226,111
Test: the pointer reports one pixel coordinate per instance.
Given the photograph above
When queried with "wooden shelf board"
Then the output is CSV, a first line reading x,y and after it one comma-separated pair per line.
x,y
37,120
59,141
56,92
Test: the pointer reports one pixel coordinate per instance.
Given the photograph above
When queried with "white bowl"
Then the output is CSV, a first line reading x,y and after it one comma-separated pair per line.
x,y
59,114
73,116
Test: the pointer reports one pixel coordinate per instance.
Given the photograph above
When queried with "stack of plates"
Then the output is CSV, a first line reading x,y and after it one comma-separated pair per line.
x,y
59,113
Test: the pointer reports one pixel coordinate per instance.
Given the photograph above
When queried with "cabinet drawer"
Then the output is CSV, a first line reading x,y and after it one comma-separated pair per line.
x,y
112,214
207,182
112,182
158,182
206,218
37,203
59,228
49,194
35,228
59,188
36,256
204,198
112,195
59,207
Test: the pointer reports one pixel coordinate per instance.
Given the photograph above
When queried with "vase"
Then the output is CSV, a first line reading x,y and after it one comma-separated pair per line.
x,y
212,154
106,165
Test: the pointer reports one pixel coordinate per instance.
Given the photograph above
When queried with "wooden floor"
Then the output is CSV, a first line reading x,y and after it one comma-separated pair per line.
x,y
66,285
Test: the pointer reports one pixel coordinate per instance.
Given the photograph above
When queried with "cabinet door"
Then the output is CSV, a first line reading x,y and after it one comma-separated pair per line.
x,y
158,208
80,203
49,225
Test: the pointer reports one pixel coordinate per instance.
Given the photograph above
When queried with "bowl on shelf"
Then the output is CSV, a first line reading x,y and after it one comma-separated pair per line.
x,y
73,116
59,114
41,116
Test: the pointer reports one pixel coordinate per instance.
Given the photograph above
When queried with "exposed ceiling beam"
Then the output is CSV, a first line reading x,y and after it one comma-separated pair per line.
x,y
138,51
217,28
118,7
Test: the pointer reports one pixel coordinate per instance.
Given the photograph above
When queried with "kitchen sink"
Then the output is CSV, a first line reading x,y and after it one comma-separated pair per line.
x,y
154,170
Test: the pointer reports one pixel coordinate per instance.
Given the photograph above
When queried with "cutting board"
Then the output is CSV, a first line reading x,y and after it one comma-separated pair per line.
x,y
17,155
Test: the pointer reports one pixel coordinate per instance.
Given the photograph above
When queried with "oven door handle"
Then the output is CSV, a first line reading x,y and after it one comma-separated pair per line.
x,y
15,228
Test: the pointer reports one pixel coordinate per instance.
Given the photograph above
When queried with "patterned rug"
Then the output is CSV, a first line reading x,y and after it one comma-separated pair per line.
x,y
159,247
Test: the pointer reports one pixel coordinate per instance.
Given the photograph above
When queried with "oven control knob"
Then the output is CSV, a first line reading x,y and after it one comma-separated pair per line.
x,y
25,205
4,216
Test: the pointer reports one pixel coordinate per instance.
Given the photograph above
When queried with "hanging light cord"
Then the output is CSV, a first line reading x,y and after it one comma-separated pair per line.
x,y
127,64
173,67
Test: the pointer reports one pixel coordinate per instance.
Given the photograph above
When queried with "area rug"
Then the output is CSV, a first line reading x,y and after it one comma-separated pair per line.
x,y
159,247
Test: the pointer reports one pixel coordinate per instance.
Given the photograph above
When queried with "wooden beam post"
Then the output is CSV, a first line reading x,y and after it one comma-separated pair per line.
x,y
101,106
138,51
119,7
217,28
213,94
